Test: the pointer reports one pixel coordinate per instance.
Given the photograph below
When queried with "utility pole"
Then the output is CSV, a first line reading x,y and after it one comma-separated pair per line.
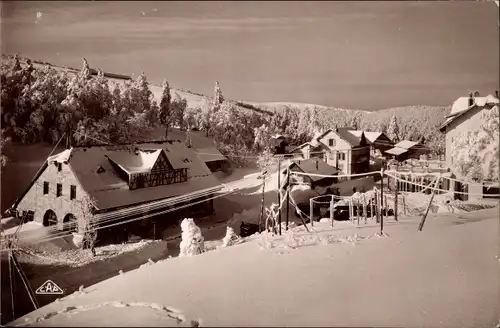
x,y
264,174
382,202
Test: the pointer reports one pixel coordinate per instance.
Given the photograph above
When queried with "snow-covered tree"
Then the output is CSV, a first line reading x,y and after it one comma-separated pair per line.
x,y
475,153
189,140
218,97
231,237
3,141
262,137
393,129
178,108
17,64
192,241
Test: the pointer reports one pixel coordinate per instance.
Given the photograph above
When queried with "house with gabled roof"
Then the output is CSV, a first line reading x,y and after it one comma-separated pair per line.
x,y
341,149
377,140
465,115
406,149
123,181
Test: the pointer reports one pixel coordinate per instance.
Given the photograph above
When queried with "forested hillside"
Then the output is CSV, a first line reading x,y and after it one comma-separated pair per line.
x,y
42,103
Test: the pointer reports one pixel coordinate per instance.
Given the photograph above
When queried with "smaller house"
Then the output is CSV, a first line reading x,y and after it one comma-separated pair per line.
x,y
279,144
341,149
314,166
377,140
407,149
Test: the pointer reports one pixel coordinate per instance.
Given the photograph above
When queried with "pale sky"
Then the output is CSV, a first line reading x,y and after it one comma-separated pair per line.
x,y
361,55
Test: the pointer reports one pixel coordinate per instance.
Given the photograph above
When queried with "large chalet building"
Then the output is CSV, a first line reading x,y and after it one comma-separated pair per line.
x,y
123,181
340,148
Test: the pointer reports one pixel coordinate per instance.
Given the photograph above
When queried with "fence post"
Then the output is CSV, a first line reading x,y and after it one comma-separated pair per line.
x,y
287,196
382,202
396,191
311,211
357,210
331,210
404,205
279,195
364,208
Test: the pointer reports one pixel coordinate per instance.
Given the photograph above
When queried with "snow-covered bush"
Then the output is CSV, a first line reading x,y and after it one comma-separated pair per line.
x,y
192,241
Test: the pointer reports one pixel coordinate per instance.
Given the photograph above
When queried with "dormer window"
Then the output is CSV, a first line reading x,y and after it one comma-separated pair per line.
x,y
186,160
100,169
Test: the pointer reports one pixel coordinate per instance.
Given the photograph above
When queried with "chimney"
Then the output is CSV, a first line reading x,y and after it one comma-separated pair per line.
x,y
471,99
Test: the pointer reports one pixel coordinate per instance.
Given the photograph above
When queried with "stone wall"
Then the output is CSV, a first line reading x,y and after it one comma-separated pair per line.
x,y
36,201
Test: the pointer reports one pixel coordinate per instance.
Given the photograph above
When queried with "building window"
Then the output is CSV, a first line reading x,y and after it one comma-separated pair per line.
x,y
59,190
72,192
331,142
59,167
341,156
45,188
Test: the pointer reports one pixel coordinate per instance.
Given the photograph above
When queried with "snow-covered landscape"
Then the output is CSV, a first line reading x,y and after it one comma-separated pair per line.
x,y
345,276
230,164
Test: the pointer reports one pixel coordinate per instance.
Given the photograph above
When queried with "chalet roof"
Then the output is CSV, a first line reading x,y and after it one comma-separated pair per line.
x,y
396,151
350,138
110,190
204,146
316,167
461,106
406,144
370,136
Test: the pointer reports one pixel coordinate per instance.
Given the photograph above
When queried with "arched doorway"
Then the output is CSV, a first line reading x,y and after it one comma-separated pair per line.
x,y
50,218
70,223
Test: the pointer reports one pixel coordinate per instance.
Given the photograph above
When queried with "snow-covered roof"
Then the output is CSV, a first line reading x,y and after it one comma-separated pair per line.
x,y
111,190
62,157
143,161
371,136
396,151
461,106
406,144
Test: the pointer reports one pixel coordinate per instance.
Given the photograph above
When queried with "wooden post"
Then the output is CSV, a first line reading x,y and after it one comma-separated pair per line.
x,y
364,208
421,226
287,196
11,283
357,210
331,210
262,203
404,205
351,212
311,211
154,230
372,206
279,195
377,207
25,281
382,203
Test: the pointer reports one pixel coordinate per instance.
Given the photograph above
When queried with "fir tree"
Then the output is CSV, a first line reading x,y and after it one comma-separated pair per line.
x,y
165,107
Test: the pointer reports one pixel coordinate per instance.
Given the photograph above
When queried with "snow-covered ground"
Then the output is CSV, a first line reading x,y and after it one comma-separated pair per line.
x,y
348,275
